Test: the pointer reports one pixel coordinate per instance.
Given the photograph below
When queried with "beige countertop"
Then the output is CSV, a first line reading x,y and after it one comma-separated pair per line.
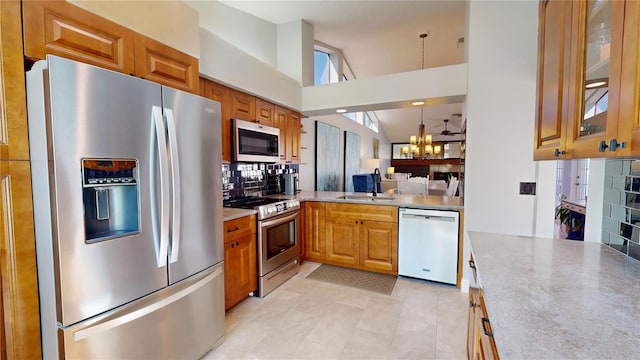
x,y
558,299
402,200
233,213
413,201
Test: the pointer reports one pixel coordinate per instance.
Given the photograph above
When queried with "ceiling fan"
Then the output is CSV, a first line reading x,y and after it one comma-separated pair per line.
x,y
446,131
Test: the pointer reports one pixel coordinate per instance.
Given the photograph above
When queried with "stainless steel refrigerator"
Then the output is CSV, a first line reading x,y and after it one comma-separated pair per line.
x,y
127,197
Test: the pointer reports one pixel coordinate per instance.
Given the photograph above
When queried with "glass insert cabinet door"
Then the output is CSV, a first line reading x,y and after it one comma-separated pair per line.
x,y
597,54
597,70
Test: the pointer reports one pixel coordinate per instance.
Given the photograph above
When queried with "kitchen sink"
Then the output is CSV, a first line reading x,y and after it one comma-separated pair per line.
x,y
366,197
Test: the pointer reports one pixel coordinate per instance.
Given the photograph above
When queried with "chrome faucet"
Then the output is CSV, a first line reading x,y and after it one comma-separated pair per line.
x,y
376,174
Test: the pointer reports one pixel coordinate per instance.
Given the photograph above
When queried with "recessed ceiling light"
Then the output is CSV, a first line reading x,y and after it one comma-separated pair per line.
x,y
417,103
341,111
595,84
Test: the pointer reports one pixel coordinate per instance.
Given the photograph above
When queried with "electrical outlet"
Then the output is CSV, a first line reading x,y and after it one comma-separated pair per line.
x,y
527,188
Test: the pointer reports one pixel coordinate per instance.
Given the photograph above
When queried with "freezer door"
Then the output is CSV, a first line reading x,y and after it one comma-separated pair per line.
x,y
179,322
89,113
193,133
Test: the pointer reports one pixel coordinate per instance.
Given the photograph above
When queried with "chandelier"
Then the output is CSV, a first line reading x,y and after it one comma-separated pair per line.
x,y
421,147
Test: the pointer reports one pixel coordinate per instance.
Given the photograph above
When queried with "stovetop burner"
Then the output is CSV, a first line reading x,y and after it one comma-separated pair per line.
x,y
266,207
249,202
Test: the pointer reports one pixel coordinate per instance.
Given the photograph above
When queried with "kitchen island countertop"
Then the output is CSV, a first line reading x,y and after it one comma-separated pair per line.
x,y
558,299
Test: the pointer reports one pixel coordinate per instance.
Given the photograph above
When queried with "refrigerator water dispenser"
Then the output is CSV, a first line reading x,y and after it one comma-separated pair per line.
x,y
111,201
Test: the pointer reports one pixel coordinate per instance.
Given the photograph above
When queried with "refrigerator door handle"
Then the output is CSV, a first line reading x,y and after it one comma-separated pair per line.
x,y
158,129
175,182
137,314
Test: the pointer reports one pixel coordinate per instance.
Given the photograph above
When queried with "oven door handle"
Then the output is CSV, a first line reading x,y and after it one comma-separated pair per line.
x,y
278,220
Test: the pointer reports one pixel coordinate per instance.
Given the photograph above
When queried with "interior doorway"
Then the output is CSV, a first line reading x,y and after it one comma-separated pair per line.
x,y
572,183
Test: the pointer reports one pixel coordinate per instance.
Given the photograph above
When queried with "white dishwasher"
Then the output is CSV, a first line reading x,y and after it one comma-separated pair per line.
x,y
428,244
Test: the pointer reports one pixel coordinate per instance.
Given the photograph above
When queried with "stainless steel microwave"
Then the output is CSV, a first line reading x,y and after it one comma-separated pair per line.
x,y
253,142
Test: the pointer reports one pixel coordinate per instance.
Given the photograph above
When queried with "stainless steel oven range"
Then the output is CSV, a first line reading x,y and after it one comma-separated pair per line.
x,y
278,243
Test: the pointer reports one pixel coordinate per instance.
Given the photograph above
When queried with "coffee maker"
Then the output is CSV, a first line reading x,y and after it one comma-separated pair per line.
x,y
290,183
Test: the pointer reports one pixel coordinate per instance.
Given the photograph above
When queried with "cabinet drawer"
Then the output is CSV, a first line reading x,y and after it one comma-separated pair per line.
x,y
237,228
362,212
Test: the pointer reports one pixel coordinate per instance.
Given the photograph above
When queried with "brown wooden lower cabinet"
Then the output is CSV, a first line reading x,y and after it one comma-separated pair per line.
x,y
19,283
480,341
353,235
342,241
379,246
240,263
301,234
314,231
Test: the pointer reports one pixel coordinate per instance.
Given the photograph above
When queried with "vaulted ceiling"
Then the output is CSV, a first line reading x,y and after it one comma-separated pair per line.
x,y
379,38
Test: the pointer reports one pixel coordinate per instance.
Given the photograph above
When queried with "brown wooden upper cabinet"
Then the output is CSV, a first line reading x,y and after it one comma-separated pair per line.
x,y
264,112
293,137
221,94
63,29
588,80
165,65
14,138
60,28
289,124
243,106
553,59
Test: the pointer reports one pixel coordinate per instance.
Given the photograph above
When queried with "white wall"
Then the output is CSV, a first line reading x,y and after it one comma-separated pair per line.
x,y
595,200
307,141
502,40
447,83
295,51
170,22
253,35
225,63
545,198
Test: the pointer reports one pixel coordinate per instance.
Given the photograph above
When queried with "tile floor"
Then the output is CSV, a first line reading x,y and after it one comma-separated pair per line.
x,y
309,319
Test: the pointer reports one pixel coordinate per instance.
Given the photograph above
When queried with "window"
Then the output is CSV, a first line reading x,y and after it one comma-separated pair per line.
x,y
364,119
329,66
321,68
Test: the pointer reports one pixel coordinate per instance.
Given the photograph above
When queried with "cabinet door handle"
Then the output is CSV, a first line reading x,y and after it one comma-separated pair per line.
x,y
237,243
471,304
558,152
472,264
232,245
232,230
485,323
614,145
602,146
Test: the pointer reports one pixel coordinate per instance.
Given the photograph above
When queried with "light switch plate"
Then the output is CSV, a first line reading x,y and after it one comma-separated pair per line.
x,y
527,188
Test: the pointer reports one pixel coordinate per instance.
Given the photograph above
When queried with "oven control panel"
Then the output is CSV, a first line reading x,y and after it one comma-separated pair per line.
x,y
278,208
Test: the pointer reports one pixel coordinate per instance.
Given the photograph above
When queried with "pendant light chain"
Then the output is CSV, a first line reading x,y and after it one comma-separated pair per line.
x,y
422,143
